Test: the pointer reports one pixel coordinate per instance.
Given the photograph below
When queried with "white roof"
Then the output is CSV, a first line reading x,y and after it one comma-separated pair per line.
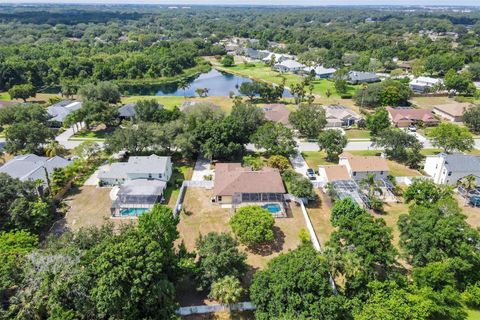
x,y
142,187
291,64
320,70
426,81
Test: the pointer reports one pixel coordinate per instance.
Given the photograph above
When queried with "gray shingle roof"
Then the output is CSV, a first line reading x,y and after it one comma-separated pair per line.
x,y
59,111
462,162
142,187
359,76
127,111
32,167
136,165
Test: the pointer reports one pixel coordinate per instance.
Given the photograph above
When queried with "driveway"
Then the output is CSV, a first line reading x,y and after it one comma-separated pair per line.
x,y
202,169
63,139
93,179
299,164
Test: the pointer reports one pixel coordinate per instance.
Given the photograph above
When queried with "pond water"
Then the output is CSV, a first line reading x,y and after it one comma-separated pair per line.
x,y
218,84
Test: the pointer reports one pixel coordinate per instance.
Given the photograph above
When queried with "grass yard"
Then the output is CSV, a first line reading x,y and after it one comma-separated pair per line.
x,y
357,134
89,206
319,214
472,213
473,314
181,171
5,96
173,101
392,213
96,134
430,102
366,153
316,158
201,217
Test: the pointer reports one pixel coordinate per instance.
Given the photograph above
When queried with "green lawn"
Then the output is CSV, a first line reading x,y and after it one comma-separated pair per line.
x,y
4,96
169,102
181,171
260,72
316,158
473,314
366,153
357,134
92,135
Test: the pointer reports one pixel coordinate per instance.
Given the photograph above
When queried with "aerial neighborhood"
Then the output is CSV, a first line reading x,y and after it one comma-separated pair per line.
x,y
213,162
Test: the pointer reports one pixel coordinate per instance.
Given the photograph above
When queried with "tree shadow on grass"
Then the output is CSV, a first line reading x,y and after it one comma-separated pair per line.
x,y
274,246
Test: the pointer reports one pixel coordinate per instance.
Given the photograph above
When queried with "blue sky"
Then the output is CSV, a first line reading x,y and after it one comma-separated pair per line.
x,y
267,2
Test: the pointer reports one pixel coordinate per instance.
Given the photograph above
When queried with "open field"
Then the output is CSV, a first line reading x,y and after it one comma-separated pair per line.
x,y
201,217
173,101
5,96
430,102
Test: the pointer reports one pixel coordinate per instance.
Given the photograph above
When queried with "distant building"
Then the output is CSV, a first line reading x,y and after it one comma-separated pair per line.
x,y
452,111
278,113
151,168
278,57
187,105
289,66
255,54
450,168
320,72
423,84
127,111
32,167
403,117
59,111
358,77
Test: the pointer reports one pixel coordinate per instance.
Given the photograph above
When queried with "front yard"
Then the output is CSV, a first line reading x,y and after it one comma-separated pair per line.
x,y
201,217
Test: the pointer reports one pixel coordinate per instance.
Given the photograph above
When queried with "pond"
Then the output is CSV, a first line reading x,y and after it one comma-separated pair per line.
x,y
218,84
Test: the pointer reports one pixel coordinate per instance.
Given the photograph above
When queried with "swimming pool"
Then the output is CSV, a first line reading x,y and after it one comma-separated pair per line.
x,y
132,212
272,207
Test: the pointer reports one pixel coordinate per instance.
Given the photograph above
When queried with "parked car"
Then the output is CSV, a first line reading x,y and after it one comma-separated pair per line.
x,y
412,128
311,174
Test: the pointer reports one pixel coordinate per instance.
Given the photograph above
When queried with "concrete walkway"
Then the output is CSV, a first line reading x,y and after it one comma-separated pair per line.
x,y
93,179
202,169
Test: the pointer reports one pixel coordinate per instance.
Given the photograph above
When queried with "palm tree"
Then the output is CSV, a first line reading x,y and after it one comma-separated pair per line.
x,y
184,85
54,149
468,183
227,290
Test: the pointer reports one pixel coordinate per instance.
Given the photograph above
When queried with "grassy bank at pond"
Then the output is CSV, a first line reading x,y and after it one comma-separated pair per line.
x,y
260,72
169,102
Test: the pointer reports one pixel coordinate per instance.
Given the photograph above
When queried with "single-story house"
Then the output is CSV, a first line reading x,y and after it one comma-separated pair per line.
x,y
255,54
452,111
128,111
279,57
340,116
358,77
59,111
320,72
235,185
189,104
289,66
423,84
277,113
135,197
359,167
332,173
151,168
449,168
32,167
403,117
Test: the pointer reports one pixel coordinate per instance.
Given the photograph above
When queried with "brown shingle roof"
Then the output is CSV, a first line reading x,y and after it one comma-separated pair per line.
x,y
453,109
366,163
410,114
336,172
276,113
231,178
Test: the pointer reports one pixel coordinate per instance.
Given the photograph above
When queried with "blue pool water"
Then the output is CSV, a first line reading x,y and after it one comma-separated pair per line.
x,y
130,212
272,207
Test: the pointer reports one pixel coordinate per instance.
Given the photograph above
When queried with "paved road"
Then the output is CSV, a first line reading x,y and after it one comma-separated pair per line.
x,y
63,139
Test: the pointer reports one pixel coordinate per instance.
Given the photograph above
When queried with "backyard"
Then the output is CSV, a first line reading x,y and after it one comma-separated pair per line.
x,y
200,216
